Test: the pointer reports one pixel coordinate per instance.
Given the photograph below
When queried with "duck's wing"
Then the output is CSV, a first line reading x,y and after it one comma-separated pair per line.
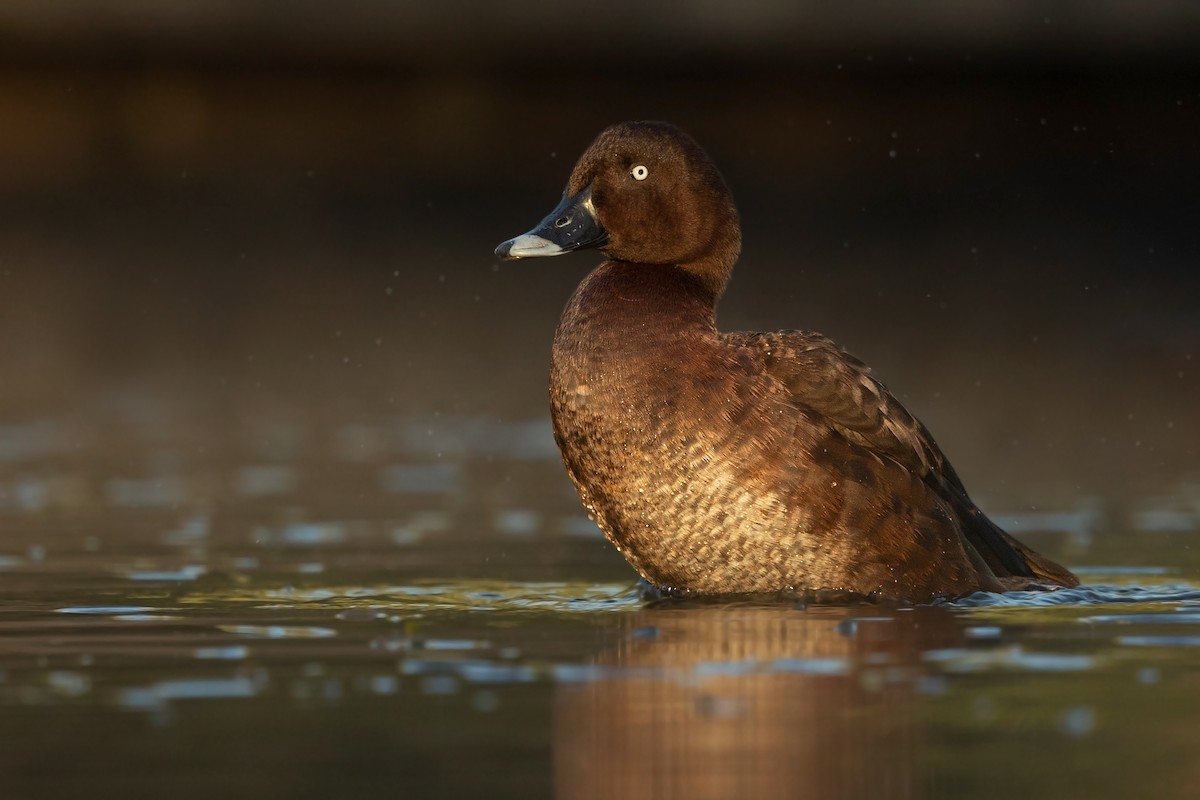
x,y
826,379
821,377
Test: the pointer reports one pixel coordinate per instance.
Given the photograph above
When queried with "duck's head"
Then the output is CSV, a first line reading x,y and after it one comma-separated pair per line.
x,y
644,193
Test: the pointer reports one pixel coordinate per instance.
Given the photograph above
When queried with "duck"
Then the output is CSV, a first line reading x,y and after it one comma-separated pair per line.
x,y
738,463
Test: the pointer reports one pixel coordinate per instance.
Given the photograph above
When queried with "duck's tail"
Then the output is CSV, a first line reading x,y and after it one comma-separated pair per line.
x,y
1008,559
1042,568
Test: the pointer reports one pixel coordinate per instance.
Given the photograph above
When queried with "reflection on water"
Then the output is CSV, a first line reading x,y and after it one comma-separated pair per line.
x,y
771,702
760,702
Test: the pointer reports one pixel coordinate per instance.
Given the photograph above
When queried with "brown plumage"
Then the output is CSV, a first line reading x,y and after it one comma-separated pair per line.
x,y
738,462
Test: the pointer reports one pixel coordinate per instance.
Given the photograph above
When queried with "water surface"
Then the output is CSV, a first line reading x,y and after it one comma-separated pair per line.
x,y
417,607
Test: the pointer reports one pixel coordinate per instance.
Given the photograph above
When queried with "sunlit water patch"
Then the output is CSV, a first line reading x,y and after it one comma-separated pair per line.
x,y
279,631
105,610
437,596
1007,658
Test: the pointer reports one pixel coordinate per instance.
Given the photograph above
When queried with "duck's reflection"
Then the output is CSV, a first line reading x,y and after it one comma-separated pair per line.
x,y
751,702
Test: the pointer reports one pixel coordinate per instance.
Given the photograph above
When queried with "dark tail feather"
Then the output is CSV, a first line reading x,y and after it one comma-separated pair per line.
x,y
1004,555
1041,566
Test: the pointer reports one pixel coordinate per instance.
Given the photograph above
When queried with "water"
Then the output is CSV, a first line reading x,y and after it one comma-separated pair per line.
x,y
575,689
348,605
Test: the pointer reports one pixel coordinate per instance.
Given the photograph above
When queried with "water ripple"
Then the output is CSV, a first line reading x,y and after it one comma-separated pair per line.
x,y
1082,596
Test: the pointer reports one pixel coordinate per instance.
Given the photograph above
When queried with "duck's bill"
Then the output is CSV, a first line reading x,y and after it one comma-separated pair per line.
x,y
573,225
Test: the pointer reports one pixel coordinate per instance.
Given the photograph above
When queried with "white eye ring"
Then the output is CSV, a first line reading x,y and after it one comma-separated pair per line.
x,y
640,172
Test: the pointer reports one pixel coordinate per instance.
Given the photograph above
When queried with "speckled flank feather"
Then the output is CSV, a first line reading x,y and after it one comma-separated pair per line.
x,y
743,462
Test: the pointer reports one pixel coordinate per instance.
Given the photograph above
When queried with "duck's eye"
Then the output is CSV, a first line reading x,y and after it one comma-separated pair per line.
x,y
639,173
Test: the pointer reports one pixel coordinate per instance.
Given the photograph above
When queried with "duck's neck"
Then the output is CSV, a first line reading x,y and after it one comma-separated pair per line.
x,y
626,304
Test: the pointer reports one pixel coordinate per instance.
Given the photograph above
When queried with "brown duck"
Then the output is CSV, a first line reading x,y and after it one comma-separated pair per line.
x,y
721,463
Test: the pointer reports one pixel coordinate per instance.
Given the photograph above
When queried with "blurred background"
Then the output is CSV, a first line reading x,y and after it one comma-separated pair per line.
x,y
246,248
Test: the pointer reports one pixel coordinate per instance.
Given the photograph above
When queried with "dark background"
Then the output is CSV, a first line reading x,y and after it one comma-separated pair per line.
x,y
221,207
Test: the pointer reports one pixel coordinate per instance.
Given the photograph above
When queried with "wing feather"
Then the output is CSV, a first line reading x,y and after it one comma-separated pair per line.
x,y
823,378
